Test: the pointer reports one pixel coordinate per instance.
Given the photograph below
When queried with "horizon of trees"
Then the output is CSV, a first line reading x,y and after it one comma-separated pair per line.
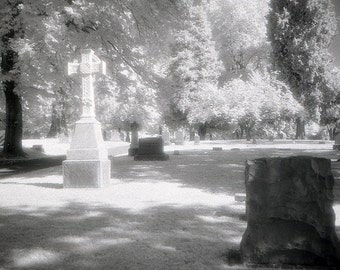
x,y
201,65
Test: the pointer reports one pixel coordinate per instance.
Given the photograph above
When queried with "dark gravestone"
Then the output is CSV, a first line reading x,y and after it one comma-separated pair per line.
x,y
289,213
336,145
151,149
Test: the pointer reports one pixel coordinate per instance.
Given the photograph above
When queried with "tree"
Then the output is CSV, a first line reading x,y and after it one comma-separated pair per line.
x,y
239,28
329,109
300,33
10,33
194,69
260,105
54,33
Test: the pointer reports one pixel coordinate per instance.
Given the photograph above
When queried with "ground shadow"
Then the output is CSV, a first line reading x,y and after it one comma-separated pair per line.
x,y
81,236
214,171
14,167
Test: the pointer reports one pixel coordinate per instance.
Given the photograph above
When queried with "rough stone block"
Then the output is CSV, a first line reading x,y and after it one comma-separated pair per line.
x,y
289,213
86,173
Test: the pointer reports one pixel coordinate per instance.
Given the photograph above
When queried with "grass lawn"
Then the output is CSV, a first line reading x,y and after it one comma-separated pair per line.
x,y
176,214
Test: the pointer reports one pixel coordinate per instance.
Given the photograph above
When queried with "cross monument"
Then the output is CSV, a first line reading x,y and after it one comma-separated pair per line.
x,y
87,164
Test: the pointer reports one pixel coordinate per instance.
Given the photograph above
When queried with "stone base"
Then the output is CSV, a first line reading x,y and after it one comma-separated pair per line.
x,y
132,152
86,173
161,157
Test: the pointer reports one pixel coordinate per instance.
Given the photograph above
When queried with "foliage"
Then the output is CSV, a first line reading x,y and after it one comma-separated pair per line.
x,y
239,28
300,33
194,69
262,104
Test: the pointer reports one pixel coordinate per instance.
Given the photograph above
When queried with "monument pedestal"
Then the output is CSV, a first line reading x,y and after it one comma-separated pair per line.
x,y
87,164
86,173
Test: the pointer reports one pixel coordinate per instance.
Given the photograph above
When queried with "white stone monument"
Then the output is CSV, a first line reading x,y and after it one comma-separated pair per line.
x,y
179,137
87,164
166,137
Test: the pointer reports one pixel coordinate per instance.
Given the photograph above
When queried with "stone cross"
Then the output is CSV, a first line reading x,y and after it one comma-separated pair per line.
x,y
90,64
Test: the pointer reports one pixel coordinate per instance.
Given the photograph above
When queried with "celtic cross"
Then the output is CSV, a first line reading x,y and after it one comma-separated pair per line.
x,y
89,65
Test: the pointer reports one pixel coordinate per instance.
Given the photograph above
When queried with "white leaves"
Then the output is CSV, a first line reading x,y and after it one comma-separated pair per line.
x,y
262,98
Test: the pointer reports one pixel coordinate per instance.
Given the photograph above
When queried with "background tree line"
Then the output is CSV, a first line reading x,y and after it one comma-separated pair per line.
x,y
251,67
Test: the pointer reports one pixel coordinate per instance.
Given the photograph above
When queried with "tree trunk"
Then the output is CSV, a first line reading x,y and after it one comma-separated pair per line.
x,y
13,135
134,135
330,133
58,121
300,128
202,131
55,123
241,133
248,134
127,138
191,134
9,60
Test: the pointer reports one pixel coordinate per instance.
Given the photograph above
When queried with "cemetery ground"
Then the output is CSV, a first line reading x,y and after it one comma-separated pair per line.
x,y
176,214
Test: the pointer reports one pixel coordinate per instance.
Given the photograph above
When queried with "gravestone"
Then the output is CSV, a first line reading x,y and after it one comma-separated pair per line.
x,y
179,137
166,137
196,140
336,145
115,136
151,149
289,213
87,164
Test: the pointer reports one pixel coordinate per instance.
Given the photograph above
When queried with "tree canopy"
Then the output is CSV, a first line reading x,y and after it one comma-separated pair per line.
x,y
195,64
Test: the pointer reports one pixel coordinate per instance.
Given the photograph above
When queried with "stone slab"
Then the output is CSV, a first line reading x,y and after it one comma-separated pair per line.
x,y
86,173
